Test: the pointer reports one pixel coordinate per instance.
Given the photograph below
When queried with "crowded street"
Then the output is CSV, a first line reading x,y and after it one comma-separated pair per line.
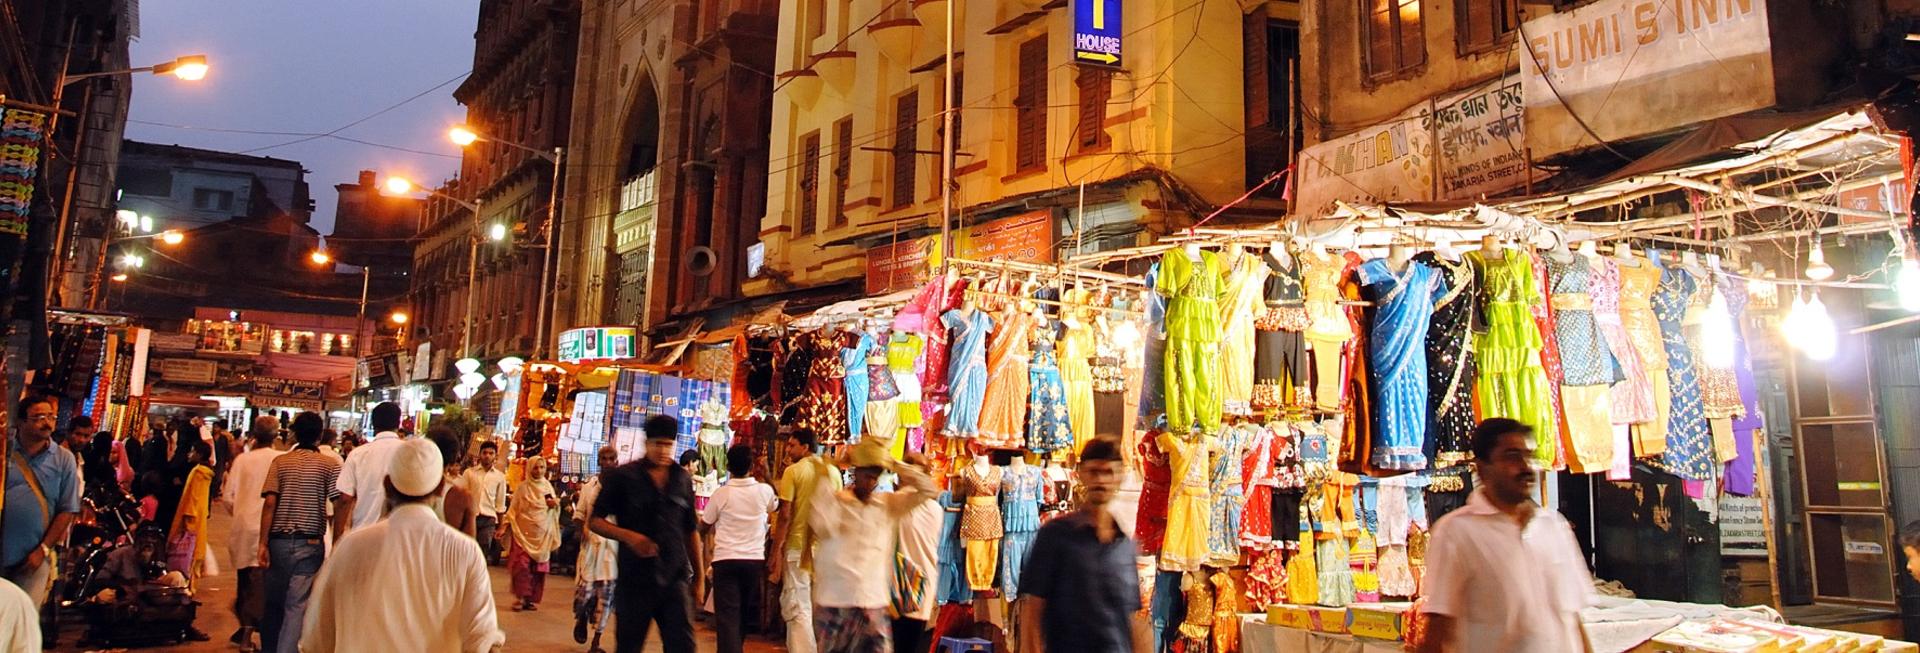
x,y
931,326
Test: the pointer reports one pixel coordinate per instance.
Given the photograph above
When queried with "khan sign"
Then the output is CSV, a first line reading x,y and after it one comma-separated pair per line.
x,y
1096,32
1629,68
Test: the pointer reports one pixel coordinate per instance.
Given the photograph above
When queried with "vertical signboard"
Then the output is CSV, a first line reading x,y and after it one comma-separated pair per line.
x,y
1096,32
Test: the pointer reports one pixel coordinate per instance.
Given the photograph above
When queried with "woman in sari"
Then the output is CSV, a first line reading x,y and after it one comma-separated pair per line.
x,y
187,536
534,520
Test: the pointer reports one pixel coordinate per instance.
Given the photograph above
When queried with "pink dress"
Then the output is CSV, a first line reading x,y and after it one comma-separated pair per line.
x,y
1633,397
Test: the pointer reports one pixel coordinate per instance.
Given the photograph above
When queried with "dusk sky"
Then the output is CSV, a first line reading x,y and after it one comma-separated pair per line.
x,y
310,67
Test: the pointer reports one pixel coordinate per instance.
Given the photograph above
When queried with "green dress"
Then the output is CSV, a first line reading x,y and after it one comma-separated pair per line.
x,y
1507,346
1194,291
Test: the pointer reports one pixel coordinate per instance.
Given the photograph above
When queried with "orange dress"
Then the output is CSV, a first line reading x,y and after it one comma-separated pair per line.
x,y
1003,408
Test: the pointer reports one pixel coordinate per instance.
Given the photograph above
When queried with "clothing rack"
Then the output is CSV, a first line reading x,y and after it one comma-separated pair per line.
x,y
988,293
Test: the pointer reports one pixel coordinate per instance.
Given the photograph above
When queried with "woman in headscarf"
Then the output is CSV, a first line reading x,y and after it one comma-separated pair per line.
x,y
187,535
534,520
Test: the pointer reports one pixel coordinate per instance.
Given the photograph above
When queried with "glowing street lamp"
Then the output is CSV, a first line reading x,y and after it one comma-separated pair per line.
x,y
320,257
398,317
172,236
464,136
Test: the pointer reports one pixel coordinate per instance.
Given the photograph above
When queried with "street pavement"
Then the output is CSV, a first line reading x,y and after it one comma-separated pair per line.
x,y
550,628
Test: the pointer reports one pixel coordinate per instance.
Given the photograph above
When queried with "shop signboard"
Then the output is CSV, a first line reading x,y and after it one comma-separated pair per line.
x,y
1480,135
274,392
597,343
1388,162
1743,527
1096,32
190,371
1619,69
901,265
1024,238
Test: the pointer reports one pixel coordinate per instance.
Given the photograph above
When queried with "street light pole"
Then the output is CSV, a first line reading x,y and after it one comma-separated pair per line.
x,y
546,261
473,264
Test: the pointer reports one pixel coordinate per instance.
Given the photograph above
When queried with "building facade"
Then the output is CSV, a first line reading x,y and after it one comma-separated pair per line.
x,y
373,228
1155,134
672,138
519,98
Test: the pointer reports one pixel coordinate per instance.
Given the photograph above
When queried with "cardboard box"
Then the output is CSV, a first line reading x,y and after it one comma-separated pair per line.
x,y
1329,620
1385,621
1286,615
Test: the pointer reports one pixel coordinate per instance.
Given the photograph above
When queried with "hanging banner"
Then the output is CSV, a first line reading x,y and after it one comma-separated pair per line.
x,y
597,343
21,133
1096,32
1618,69
1482,141
190,371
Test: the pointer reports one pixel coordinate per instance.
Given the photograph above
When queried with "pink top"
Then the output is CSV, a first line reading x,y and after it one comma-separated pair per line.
x,y
1510,588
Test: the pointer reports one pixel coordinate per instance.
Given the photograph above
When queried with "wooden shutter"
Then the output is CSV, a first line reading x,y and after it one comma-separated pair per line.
x,y
906,137
809,182
842,168
1253,66
1030,106
1096,88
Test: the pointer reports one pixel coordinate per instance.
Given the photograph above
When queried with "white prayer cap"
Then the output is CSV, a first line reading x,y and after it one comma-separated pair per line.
x,y
417,468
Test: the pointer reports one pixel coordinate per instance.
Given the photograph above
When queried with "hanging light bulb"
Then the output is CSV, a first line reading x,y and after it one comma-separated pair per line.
x,y
467,365
1906,283
1796,316
473,379
1817,268
464,392
1817,329
1717,333
1127,335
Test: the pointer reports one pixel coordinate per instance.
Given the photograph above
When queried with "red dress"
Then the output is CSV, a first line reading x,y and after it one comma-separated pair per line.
x,y
1257,471
1150,521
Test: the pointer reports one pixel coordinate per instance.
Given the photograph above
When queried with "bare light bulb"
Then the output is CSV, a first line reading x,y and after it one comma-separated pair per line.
x,y
1717,333
1907,284
1817,268
1822,341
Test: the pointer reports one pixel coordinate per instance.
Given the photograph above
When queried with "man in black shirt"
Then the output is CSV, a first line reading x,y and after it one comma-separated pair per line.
x,y
647,506
1079,588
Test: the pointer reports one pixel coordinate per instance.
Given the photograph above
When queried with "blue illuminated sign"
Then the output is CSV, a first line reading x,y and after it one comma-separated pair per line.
x,y
1096,32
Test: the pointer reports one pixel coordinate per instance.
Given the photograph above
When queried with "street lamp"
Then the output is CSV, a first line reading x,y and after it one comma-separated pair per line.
x,y
192,68
463,136
403,186
321,257
398,317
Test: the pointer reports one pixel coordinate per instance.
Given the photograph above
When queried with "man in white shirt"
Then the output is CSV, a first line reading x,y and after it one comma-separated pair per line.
x,y
364,472
19,620
489,489
853,558
242,494
1503,573
598,567
738,514
409,582
920,543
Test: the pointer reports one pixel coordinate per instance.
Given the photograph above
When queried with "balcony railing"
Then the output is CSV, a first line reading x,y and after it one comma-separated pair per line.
x,y
638,191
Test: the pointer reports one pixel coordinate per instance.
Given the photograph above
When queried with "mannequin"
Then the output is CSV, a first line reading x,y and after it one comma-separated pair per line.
x,y
1278,250
1319,249
1560,244
1444,249
1690,259
1193,252
1623,250
982,464
1589,249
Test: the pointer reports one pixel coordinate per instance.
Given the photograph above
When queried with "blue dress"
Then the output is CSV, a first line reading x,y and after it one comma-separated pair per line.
x,y
1397,359
1048,427
953,553
1689,453
855,360
1227,490
966,369
1020,515
1153,391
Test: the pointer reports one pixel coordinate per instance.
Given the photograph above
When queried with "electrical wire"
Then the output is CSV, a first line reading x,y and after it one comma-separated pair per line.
x,y
362,119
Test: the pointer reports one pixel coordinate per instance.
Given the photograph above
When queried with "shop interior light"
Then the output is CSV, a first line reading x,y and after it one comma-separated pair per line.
x,y
1796,316
472,378
128,218
1822,340
467,365
1127,335
146,224
464,392
511,363
499,381
1817,268
1907,283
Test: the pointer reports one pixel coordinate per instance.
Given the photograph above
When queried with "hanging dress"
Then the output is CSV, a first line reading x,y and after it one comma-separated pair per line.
x,y
1450,371
1328,329
1156,491
1719,386
1280,374
883,399
1227,486
967,380
1689,451
1586,365
1630,400
1107,379
1638,283
1194,290
1003,408
1741,472
953,552
1507,349
1076,372
903,362
1549,357
980,525
855,377
1047,426
1397,359
823,407
1153,364
1020,491
1246,285
1258,478
1189,514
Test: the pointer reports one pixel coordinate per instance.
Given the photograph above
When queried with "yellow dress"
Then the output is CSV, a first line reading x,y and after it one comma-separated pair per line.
x,y
1226,613
1246,287
191,518
1188,516
1303,578
1327,327
1637,285
1076,373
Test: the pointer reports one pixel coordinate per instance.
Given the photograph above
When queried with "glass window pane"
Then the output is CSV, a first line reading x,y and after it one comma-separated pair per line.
x,y
1380,58
1851,556
1842,465
1413,39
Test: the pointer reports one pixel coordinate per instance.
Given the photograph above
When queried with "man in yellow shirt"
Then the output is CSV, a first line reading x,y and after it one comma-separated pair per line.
x,y
793,569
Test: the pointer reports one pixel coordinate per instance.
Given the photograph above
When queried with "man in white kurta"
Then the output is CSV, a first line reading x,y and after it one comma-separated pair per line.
x,y
409,582
242,493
